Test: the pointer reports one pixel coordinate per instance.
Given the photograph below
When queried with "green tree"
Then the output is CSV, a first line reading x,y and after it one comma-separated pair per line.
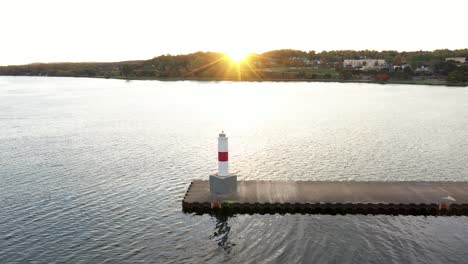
x,y
345,74
455,77
407,70
125,70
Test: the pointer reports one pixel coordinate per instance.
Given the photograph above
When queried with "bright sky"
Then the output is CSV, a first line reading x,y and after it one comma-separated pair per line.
x,y
115,30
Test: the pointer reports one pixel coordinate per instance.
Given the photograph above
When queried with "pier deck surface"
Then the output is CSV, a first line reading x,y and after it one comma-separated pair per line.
x,y
332,197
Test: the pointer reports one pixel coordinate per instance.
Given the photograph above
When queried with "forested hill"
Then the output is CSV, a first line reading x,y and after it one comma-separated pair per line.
x,y
277,64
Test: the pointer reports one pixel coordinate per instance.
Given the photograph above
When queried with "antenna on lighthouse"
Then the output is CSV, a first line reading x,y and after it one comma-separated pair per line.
x,y
223,182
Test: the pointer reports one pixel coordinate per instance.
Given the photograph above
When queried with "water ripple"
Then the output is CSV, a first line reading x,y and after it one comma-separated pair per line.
x,y
94,171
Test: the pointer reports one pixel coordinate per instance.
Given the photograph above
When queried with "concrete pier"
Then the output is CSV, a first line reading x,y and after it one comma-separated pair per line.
x,y
331,197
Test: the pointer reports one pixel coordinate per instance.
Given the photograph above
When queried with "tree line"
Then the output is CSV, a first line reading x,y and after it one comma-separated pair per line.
x,y
276,64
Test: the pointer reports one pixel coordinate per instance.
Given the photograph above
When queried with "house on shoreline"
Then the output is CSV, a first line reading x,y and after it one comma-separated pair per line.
x,y
365,64
461,60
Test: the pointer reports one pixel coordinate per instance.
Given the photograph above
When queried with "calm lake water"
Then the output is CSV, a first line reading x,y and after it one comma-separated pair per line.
x,y
94,171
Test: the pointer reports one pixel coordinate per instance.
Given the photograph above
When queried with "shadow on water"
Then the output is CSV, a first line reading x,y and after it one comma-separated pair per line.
x,y
221,233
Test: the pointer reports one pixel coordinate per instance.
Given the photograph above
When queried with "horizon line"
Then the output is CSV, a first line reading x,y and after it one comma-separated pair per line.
x,y
207,51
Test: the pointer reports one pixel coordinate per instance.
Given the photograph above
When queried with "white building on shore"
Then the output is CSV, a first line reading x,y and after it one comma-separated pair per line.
x,y
365,64
457,59
423,70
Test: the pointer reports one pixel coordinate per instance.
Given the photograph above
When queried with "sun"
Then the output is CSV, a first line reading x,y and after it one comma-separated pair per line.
x,y
237,55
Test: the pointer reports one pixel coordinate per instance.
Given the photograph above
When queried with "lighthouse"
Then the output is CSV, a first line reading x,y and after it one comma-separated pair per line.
x,y
223,155
223,182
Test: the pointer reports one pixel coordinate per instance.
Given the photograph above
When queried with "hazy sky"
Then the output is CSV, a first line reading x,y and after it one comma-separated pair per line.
x,y
114,30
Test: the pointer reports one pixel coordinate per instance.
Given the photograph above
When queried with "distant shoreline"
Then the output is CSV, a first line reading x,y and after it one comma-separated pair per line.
x,y
411,82
439,67
133,78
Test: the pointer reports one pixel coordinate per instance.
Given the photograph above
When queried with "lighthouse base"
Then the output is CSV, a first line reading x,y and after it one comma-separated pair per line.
x,y
223,184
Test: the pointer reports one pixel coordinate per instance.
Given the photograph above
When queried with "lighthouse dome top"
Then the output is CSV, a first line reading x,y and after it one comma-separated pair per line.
x,y
222,134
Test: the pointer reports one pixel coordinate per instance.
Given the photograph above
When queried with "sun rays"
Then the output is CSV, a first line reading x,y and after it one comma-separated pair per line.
x,y
232,65
237,56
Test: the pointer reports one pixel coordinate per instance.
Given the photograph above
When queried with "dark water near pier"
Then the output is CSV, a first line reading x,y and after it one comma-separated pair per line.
x,y
94,171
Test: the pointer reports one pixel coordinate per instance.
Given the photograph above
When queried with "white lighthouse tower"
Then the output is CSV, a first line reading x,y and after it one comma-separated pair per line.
x,y
223,182
223,155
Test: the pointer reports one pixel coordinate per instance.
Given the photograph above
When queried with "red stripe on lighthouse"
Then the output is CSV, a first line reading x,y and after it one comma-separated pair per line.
x,y
222,156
